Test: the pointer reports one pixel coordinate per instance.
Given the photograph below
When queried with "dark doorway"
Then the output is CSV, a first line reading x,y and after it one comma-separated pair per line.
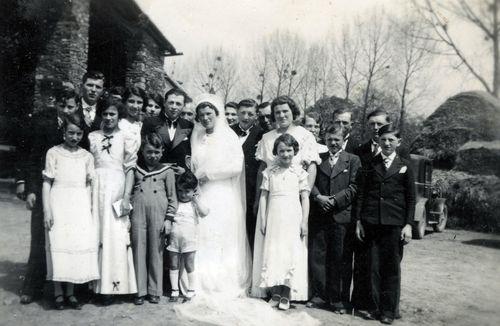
x,y
107,49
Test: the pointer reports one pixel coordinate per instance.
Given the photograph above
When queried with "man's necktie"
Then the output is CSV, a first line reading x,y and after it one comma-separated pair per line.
x,y
386,163
333,159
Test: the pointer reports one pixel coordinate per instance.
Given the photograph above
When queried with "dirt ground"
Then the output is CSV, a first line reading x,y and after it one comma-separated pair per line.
x,y
451,278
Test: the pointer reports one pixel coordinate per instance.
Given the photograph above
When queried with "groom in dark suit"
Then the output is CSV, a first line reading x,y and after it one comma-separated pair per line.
x,y
174,131
249,134
333,193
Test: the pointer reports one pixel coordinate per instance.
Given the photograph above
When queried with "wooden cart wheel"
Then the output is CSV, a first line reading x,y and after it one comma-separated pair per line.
x,y
419,231
439,227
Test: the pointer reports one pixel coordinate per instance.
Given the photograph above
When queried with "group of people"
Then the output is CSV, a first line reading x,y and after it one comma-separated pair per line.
x,y
246,199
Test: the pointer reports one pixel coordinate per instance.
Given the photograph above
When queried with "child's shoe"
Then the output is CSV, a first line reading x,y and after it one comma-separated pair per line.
x,y
190,295
284,304
73,302
59,302
139,301
174,296
274,301
154,299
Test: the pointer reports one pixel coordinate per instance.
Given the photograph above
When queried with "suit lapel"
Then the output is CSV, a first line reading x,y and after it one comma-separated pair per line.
x,y
325,166
394,168
378,165
341,165
180,133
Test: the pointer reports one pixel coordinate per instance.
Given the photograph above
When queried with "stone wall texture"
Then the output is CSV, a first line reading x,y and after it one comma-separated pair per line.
x,y
145,64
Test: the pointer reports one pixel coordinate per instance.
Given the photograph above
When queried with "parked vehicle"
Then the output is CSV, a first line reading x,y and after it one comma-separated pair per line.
x,y
430,207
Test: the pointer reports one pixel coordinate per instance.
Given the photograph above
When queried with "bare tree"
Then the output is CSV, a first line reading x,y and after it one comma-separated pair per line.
x,y
259,70
484,15
216,72
374,36
316,76
346,49
411,56
287,58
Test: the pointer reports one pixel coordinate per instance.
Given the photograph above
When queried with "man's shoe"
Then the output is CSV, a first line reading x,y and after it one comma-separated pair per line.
x,y
368,315
274,301
284,304
139,301
154,299
386,320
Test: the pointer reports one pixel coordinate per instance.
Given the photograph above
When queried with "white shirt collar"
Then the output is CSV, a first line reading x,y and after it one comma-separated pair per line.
x,y
390,158
85,105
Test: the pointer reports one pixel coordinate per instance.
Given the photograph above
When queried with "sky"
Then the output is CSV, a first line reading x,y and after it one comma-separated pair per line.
x,y
192,25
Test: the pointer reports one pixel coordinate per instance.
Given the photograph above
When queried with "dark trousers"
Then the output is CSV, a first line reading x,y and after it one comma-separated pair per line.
x,y
251,221
329,275
386,250
34,279
361,290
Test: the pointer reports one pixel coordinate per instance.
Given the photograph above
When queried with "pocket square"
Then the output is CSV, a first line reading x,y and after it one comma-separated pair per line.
x,y
185,138
403,169
345,171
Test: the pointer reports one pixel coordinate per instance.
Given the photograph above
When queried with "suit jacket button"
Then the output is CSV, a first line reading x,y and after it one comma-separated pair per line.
x,y
381,198
154,180
154,191
141,190
144,179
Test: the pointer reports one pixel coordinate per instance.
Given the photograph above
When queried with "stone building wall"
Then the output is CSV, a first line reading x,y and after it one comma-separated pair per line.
x,y
65,54
145,64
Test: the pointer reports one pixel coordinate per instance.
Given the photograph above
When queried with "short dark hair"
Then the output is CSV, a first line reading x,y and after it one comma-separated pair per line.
x,y
288,140
133,90
247,103
156,97
105,103
378,112
187,180
281,100
66,94
313,115
336,128
233,105
263,105
203,105
73,119
93,74
389,129
178,92
152,139
117,90
341,111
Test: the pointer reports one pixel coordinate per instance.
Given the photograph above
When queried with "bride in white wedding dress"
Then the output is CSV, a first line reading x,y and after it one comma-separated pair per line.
x,y
223,260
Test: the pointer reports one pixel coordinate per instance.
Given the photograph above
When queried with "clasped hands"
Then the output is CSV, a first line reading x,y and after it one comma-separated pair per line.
x,y
326,203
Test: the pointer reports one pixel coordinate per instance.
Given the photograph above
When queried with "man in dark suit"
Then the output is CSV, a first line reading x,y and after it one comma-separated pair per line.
x,y
91,90
174,131
45,133
333,192
249,133
384,214
361,295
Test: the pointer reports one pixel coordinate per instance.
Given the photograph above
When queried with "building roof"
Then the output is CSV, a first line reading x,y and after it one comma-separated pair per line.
x,y
135,18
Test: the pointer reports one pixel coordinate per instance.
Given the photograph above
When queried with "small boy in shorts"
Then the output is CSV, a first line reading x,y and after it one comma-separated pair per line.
x,y
184,235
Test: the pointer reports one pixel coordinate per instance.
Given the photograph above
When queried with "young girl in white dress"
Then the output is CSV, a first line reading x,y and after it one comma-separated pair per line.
x,y
284,207
71,243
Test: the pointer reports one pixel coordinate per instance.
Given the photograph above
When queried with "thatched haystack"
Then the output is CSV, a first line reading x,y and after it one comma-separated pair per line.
x,y
479,158
464,117
473,200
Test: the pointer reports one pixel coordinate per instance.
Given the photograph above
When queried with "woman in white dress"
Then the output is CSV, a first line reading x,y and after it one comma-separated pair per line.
x,y
115,153
223,258
283,112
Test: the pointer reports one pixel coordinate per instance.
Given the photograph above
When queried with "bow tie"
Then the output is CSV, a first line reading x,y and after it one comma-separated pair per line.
x,y
171,123
106,143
